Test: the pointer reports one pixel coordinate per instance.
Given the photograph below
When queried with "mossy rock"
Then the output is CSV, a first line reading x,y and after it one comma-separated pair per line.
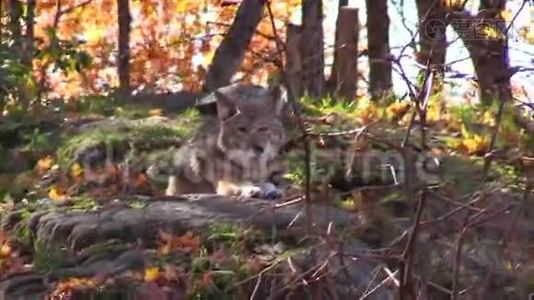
x,y
95,142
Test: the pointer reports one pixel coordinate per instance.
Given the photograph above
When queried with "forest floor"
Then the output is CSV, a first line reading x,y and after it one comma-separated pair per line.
x,y
80,217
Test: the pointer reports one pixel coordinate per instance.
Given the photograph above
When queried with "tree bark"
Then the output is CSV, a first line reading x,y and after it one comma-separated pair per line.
x,y
15,12
488,54
346,76
1,27
229,55
29,36
312,51
123,66
380,82
294,59
330,84
432,41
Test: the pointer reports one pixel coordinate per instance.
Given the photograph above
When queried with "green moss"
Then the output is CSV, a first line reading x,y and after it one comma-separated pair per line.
x,y
84,202
48,258
120,139
462,173
21,232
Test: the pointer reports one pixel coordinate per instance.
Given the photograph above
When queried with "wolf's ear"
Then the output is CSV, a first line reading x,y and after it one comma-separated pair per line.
x,y
226,107
276,100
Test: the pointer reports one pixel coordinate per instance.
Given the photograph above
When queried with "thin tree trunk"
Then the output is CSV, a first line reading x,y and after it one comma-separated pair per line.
x,y
123,65
489,54
1,14
346,76
29,36
432,37
15,12
380,82
312,51
229,55
294,59
331,82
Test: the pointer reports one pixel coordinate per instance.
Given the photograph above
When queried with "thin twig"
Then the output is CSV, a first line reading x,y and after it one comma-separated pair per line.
x,y
457,259
300,123
489,155
406,261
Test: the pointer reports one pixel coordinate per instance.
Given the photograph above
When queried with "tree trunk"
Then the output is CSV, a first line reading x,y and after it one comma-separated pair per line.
x,y
294,60
123,66
1,14
432,41
29,36
312,51
331,82
489,54
380,82
346,51
229,55
15,12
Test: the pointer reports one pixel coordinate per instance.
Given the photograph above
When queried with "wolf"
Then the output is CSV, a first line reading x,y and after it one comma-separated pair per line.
x,y
236,152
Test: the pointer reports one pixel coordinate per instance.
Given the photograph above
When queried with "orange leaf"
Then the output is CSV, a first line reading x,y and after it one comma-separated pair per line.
x,y
5,250
187,242
141,181
76,170
44,164
155,112
151,274
55,195
475,144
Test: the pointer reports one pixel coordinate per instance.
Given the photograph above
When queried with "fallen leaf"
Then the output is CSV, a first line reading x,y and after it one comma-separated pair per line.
x,y
55,195
76,170
155,112
5,250
151,274
475,144
44,164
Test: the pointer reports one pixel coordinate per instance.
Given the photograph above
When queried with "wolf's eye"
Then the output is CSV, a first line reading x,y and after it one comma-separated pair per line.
x,y
262,129
242,129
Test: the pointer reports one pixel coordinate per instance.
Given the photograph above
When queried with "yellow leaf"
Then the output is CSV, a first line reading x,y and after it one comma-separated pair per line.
x,y
465,132
55,195
507,15
488,118
397,110
155,112
76,170
151,274
369,114
475,145
5,250
44,164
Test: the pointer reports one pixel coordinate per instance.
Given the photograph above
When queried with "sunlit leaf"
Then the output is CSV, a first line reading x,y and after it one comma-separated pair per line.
x,y
76,170
56,195
155,112
5,250
475,144
151,274
44,164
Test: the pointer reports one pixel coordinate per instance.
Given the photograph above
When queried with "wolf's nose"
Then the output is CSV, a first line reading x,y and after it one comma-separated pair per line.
x,y
258,150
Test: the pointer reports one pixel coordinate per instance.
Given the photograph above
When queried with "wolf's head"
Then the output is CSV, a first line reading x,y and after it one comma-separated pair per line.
x,y
251,129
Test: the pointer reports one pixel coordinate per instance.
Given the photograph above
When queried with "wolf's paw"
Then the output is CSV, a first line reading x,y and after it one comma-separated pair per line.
x,y
270,191
250,191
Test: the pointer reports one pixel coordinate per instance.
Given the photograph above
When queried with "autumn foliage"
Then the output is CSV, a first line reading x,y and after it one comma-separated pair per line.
x,y
172,43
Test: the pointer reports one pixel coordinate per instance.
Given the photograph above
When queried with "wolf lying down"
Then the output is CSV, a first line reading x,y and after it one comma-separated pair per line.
x,y
236,152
